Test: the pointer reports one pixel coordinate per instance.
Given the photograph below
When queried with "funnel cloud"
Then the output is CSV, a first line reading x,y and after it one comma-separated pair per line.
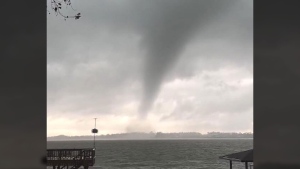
x,y
159,65
170,29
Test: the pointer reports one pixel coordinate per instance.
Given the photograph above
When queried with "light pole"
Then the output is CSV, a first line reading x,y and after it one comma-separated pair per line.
x,y
95,131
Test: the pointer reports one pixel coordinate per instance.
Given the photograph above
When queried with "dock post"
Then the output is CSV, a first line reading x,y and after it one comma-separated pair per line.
x,y
230,162
246,165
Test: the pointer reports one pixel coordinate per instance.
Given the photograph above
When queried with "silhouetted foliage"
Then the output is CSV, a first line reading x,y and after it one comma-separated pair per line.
x,y
56,6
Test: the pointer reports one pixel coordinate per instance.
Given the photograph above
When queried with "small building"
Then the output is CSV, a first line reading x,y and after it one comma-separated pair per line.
x,y
243,156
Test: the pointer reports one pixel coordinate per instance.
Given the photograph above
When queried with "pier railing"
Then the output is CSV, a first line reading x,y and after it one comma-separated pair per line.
x,y
73,158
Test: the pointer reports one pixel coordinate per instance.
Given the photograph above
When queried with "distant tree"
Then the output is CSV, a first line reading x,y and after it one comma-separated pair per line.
x,y
56,6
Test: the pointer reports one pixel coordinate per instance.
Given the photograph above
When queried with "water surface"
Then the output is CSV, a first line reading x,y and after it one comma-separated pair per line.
x,y
146,154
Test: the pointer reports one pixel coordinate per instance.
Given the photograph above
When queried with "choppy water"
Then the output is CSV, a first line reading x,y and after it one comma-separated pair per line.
x,y
146,154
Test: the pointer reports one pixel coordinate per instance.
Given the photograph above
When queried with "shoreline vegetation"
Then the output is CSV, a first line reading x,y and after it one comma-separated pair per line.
x,y
155,136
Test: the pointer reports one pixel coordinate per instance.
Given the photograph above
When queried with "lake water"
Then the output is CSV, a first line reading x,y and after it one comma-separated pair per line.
x,y
148,154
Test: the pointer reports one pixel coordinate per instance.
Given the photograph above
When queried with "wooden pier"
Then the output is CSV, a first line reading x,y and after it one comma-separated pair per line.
x,y
70,158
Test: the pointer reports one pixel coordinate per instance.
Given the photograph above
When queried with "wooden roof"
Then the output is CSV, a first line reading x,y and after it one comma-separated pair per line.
x,y
243,156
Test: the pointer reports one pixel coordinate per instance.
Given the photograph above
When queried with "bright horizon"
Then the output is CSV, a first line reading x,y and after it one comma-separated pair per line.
x,y
99,134
161,66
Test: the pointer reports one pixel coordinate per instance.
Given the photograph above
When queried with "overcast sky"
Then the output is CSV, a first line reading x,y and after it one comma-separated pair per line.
x,y
140,65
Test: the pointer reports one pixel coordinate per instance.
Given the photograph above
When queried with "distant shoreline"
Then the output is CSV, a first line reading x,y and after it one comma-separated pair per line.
x,y
158,139
155,136
155,139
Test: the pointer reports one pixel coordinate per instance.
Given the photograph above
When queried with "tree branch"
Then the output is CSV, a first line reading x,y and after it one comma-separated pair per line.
x,y
56,6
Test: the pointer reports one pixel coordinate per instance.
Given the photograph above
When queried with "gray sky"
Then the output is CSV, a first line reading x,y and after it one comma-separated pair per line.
x,y
140,65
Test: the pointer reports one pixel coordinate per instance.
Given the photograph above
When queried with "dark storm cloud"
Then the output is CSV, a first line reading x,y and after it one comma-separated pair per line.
x,y
166,27
141,44
173,25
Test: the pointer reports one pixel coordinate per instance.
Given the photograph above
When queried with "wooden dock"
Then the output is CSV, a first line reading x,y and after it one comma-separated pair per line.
x,y
70,158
